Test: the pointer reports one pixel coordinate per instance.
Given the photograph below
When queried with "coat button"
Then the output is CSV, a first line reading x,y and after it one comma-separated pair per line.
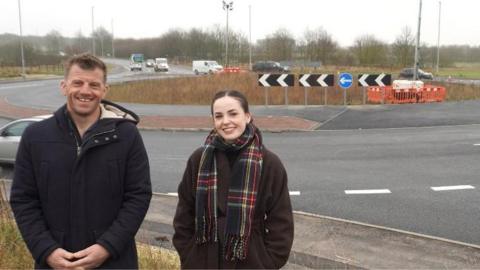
x,y
96,141
114,136
107,138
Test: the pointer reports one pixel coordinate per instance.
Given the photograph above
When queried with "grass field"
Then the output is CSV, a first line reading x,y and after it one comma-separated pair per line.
x,y
199,90
11,72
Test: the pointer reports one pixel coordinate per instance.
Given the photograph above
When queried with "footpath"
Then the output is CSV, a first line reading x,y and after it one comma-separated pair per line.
x,y
320,242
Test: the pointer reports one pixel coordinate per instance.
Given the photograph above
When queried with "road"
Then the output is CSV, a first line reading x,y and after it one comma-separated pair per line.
x,y
382,149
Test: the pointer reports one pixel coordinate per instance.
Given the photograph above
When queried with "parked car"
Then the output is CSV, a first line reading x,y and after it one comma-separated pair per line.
x,y
161,64
205,67
269,66
10,135
149,63
408,73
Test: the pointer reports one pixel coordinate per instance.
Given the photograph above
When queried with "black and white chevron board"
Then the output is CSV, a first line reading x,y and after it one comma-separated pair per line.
x,y
269,80
313,80
366,80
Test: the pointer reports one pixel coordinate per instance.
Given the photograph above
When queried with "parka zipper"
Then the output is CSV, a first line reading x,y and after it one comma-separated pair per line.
x,y
79,147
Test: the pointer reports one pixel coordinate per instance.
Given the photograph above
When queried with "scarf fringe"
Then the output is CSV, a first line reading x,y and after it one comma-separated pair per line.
x,y
206,231
236,247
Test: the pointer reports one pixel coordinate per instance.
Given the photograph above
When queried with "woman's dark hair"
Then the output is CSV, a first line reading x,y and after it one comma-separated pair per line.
x,y
234,94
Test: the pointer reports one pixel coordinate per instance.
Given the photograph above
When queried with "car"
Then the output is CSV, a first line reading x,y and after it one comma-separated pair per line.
x,y
206,67
408,73
10,135
149,63
161,64
269,66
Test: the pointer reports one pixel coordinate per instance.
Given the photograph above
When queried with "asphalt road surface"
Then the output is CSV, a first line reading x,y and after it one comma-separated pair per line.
x,y
411,167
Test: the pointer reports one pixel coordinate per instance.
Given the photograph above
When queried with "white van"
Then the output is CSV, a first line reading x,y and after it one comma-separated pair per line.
x,y
161,64
205,67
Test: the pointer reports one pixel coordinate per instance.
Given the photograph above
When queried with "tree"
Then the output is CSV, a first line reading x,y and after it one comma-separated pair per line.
x,y
55,42
278,46
403,48
103,41
319,45
370,51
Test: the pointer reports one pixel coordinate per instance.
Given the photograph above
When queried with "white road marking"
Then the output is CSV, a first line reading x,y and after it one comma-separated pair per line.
x,y
368,191
476,144
174,194
446,188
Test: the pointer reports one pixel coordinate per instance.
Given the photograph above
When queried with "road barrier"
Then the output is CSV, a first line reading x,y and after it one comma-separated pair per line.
x,y
388,95
231,70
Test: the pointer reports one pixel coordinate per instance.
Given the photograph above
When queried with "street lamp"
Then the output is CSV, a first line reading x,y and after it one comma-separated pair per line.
x,y
227,7
21,39
438,36
93,33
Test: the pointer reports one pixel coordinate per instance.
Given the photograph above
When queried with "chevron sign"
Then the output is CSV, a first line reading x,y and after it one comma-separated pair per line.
x,y
268,80
374,79
311,80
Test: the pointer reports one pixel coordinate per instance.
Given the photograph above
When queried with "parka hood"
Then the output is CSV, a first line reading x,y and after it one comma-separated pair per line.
x,y
111,110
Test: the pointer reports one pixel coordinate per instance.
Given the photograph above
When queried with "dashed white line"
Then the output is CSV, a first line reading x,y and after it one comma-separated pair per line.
x,y
447,188
476,144
368,191
174,194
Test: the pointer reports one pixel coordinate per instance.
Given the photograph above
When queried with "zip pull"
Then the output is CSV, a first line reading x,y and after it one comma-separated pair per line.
x,y
79,149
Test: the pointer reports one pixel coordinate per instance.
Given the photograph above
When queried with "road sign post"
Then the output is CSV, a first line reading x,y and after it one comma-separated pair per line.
x,y
272,80
315,80
345,80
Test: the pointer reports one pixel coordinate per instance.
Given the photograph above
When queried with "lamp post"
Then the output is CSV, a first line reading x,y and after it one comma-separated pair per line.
x,y
438,36
417,45
21,39
228,7
93,34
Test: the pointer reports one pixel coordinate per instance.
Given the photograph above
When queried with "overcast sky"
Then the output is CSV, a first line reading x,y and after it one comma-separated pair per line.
x,y
345,20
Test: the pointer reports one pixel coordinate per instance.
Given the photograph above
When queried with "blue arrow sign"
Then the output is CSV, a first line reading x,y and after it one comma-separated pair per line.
x,y
345,80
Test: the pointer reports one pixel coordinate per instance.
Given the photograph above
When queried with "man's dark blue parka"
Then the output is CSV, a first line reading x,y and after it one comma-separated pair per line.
x,y
71,195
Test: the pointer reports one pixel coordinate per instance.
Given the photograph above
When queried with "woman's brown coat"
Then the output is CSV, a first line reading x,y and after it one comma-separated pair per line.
x,y
272,231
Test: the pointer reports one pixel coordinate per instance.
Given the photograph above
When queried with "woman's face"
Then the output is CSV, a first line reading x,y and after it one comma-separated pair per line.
x,y
229,118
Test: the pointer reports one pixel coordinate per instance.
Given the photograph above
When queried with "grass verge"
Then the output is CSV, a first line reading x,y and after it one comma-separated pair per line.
x,y
15,255
199,90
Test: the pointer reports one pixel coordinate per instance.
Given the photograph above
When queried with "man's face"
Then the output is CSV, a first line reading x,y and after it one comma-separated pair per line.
x,y
84,90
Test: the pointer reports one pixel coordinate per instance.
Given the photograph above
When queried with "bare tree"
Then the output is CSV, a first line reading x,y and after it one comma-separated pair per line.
x,y
403,48
370,51
319,45
55,42
278,46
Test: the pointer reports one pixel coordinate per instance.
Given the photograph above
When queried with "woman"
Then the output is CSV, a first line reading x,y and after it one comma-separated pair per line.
x,y
234,209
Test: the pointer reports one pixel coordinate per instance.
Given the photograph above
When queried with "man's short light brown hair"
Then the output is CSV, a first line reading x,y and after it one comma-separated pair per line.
x,y
86,61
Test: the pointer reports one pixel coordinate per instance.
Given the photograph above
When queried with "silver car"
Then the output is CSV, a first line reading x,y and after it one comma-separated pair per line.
x,y
10,135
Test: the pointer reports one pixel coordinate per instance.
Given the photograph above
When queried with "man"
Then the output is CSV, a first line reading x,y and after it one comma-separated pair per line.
x,y
82,187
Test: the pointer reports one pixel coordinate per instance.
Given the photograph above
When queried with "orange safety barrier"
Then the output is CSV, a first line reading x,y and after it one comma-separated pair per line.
x,y
432,93
376,94
231,70
389,95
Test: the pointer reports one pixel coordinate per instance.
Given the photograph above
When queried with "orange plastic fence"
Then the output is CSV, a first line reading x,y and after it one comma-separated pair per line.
x,y
387,94
231,70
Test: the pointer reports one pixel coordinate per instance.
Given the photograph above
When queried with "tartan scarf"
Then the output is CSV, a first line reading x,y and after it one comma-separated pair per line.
x,y
242,192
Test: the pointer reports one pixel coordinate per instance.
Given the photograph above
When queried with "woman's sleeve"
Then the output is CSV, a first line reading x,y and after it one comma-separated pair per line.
x,y
279,220
184,220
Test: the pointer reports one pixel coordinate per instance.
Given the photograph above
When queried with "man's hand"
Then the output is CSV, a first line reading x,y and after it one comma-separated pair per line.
x,y
91,257
60,259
